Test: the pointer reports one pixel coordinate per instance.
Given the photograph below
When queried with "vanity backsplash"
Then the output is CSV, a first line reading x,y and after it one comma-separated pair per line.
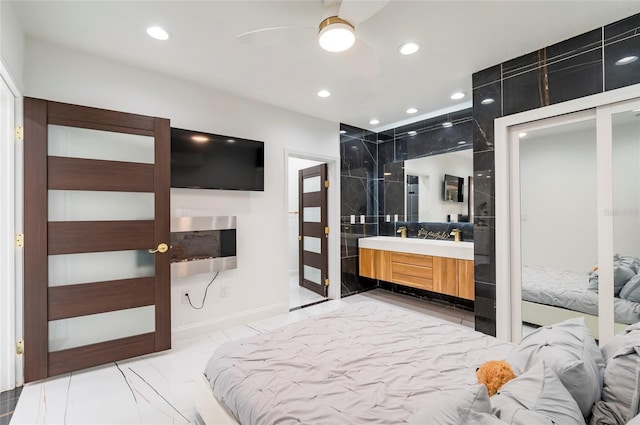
x,y
429,230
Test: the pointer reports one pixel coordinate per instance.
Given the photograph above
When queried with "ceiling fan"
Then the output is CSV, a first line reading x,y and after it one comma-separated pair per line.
x,y
335,33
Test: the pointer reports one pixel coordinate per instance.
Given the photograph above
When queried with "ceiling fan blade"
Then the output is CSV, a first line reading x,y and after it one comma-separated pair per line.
x,y
358,11
362,61
278,36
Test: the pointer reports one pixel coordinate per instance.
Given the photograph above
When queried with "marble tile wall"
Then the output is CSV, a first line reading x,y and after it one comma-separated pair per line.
x,y
363,156
577,67
359,199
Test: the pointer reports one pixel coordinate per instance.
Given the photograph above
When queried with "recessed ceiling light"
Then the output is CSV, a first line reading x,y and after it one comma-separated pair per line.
x,y
458,95
626,60
479,174
324,93
447,124
230,141
158,33
387,174
412,133
409,48
343,131
523,134
487,101
199,138
355,148
462,142
374,121
412,110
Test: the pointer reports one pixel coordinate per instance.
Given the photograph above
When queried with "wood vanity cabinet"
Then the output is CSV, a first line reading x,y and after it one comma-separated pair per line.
x,y
451,276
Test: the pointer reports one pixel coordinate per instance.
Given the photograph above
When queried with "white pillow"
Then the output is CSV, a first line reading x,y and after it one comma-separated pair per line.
x,y
621,390
466,406
571,351
536,397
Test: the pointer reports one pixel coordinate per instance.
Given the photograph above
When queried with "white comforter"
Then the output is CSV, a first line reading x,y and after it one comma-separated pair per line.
x,y
366,363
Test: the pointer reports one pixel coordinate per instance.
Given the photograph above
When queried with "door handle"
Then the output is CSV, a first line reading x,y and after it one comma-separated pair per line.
x,y
162,248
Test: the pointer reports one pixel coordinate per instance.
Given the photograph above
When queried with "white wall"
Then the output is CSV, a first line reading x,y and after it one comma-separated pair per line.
x,y
558,201
432,207
295,164
258,287
11,43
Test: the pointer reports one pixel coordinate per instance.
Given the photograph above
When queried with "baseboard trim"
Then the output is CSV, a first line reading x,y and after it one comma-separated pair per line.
x,y
181,333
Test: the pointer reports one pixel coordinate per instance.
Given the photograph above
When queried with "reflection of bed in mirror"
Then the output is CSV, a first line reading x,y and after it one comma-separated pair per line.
x,y
550,295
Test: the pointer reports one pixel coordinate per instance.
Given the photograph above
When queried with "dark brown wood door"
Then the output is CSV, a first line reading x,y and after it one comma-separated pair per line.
x,y
96,202
313,228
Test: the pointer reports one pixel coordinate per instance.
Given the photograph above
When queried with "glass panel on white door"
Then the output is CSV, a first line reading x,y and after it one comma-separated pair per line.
x,y
69,269
311,184
82,205
312,244
96,144
91,329
311,214
313,274
626,216
558,222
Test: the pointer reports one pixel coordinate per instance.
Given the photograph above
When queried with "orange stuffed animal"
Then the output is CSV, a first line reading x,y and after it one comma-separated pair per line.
x,y
494,374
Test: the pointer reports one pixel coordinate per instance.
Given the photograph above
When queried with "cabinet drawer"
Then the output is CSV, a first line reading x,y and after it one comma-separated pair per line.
x,y
414,281
411,270
415,259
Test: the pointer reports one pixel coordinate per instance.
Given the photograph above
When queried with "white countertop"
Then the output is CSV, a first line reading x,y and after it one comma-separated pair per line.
x,y
439,248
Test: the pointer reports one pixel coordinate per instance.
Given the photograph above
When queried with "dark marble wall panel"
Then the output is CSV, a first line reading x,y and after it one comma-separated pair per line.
x,y
564,71
483,184
359,186
352,282
428,295
622,40
487,106
436,230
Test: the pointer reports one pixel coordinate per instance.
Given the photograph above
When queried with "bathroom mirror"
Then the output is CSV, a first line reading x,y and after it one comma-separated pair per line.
x,y
414,189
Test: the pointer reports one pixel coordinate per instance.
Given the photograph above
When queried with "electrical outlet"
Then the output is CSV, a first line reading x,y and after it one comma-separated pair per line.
x,y
224,291
185,297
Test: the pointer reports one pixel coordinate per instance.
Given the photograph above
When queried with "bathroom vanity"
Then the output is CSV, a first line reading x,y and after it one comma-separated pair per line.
x,y
441,266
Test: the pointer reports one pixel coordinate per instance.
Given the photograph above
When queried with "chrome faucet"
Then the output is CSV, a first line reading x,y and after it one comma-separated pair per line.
x,y
456,233
403,232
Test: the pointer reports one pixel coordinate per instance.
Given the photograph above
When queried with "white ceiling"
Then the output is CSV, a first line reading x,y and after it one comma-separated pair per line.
x,y
371,80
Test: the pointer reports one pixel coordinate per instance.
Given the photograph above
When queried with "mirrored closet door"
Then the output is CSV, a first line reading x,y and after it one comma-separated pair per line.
x,y
573,216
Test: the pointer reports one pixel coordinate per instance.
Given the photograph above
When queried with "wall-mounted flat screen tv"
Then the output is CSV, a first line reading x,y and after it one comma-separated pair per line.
x,y
452,188
211,161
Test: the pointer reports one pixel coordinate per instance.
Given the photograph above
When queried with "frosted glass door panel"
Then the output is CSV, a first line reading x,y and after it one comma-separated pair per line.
x,y
81,205
89,267
312,184
84,330
95,144
311,214
312,244
313,274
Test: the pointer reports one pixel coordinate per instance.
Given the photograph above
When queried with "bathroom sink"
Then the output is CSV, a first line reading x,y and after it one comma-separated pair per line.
x,y
439,248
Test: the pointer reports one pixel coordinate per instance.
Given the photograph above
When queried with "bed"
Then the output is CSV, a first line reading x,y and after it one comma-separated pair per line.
x,y
365,363
550,296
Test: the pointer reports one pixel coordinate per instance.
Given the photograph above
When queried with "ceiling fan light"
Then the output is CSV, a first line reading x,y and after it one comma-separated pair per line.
x,y
336,35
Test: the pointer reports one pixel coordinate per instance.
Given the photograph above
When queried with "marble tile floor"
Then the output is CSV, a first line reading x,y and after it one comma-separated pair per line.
x,y
300,296
156,389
